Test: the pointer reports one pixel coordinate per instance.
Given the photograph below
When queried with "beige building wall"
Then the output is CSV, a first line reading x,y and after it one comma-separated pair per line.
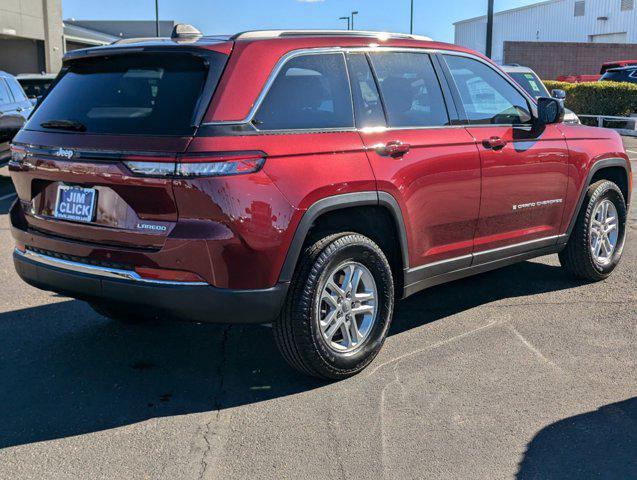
x,y
31,26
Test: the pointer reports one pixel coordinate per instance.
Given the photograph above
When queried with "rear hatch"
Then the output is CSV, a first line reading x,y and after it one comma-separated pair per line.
x,y
72,162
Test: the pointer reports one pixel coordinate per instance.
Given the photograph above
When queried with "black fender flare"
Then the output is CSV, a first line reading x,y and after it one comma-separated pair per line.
x,y
338,202
597,166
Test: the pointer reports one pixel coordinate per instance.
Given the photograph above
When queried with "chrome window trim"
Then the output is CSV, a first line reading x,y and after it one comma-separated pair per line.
x,y
95,270
369,49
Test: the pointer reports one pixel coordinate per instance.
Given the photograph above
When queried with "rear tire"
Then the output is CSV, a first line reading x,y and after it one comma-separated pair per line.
x,y
597,241
123,314
339,307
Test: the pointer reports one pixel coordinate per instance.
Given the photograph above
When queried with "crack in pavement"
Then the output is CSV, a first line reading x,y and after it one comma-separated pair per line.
x,y
218,405
531,347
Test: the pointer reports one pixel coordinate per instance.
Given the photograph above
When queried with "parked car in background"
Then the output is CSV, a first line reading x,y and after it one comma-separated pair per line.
x,y
35,85
530,82
304,179
620,74
578,78
15,108
617,64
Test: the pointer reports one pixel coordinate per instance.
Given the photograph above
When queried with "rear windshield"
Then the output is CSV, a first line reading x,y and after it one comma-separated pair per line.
x,y
629,75
144,94
530,83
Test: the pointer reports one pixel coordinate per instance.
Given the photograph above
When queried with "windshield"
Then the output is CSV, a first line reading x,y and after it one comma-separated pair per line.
x,y
530,83
145,94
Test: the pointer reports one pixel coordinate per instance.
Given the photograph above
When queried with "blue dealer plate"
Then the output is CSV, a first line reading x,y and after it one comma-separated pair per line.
x,y
75,203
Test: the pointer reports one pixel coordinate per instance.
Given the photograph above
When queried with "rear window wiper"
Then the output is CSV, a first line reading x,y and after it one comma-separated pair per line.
x,y
64,125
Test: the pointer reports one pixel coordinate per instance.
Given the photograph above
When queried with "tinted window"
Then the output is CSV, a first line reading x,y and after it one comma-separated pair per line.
x,y
147,94
629,75
310,92
5,96
530,83
367,103
486,96
410,90
16,90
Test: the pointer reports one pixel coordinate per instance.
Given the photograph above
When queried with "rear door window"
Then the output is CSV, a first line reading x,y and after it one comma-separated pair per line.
x,y
147,94
410,89
486,96
309,92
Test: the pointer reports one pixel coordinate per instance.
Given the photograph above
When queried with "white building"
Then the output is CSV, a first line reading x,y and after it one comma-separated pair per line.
x,y
583,21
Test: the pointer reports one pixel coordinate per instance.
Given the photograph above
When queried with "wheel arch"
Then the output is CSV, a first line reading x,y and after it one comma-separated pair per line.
x,y
613,169
331,206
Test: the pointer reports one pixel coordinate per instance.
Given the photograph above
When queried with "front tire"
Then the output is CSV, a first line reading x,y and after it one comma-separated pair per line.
x,y
339,307
596,244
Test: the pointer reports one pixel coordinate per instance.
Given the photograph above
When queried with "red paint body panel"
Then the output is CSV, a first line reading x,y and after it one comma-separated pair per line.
x,y
261,216
436,184
586,145
531,168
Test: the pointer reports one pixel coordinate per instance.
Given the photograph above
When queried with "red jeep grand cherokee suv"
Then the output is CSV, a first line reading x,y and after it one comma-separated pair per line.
x,y
303,179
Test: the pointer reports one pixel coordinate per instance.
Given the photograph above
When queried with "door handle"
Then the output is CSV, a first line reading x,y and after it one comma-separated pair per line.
x,y
494,143
394,149
19,109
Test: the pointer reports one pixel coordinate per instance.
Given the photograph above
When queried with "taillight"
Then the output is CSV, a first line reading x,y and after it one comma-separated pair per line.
x,y
197,165
18,154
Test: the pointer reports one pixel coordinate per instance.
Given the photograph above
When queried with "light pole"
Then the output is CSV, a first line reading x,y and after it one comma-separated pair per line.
x,y
411,21
157,17
352,24
488,50
345,18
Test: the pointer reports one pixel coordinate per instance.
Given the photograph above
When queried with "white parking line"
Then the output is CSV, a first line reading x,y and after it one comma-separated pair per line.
x,y
7,197
631,151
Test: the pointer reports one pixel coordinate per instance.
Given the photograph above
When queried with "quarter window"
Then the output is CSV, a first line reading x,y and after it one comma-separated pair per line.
x,y
486,96
410,89
310,92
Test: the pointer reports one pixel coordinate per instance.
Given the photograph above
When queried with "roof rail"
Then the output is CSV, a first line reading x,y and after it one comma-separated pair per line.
x,y
265,34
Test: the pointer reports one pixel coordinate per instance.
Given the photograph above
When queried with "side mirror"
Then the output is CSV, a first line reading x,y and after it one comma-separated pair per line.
x,y
550,110
558,93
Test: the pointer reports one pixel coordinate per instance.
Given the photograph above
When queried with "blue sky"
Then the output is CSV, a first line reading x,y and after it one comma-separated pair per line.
x,y
432,17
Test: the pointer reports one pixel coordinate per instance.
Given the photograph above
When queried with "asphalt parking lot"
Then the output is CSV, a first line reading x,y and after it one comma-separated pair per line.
x,y
518,373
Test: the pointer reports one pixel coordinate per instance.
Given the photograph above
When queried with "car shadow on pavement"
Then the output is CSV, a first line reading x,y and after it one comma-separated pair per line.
x,y
65,371
600,444
518,280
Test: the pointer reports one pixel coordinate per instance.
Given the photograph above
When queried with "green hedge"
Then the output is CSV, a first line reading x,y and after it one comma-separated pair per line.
x,y
599,98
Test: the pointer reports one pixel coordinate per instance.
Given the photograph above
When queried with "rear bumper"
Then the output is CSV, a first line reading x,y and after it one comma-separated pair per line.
x,y
189,301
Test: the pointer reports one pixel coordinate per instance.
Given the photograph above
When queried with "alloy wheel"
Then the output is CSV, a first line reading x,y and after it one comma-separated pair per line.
x,y
347,308
604,232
